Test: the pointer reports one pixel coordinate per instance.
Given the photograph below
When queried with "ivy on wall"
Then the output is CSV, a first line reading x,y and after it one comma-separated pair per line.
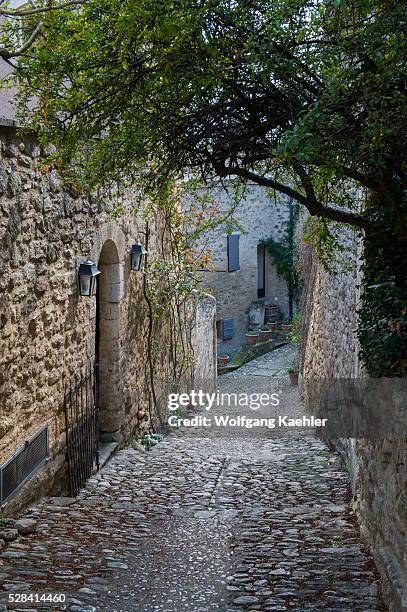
x,y
382,328
283,254
171,288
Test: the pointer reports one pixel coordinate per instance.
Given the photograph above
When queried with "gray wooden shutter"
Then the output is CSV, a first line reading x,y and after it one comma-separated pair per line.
x,y
233,252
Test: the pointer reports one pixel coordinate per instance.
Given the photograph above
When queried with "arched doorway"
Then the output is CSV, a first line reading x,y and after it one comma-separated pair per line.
x,y
109,295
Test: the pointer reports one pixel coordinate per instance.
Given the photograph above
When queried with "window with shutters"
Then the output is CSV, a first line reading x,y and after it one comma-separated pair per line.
x,y
228,329
225,329
233,252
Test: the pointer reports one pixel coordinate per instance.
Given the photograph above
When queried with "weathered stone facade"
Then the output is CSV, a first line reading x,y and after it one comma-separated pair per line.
x,y
259,216
329,318
47,331
378,467
205,351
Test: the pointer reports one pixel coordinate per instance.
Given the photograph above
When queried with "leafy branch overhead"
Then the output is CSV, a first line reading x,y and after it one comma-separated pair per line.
x,y
279,93
306,97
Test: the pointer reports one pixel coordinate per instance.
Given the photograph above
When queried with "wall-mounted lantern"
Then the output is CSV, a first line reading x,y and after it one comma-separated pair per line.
x,y
88,273
137,257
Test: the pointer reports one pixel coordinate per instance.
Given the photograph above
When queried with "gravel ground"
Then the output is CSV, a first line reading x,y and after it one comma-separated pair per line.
x,y
211,519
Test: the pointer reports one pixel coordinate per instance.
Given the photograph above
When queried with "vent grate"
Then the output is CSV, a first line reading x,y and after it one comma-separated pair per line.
x,y
23,465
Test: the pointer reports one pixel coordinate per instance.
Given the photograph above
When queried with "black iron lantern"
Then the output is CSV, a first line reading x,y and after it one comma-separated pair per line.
x,y
137,257
88,273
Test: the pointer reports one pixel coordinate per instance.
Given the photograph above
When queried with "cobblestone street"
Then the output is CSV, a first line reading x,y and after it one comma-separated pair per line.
x,y
203,522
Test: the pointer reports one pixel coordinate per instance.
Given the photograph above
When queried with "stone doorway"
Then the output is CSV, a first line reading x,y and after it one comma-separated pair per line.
x,y
107,338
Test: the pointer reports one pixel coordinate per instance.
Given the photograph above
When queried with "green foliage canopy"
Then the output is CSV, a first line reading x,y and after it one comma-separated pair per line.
x,y
297,95
307,97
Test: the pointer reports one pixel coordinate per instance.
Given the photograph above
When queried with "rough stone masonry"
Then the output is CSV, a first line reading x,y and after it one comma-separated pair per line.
x,y
47,331
378,467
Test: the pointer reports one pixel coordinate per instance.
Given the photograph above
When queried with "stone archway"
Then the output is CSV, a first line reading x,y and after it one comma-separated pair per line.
x,y
108,352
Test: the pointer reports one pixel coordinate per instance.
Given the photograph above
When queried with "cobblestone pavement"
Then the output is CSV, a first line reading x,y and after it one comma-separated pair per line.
x,y
271,364
203,522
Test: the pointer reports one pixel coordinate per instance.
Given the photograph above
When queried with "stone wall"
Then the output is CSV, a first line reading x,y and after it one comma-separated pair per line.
x,y
260,216
378,468
47,331
204,328
329,320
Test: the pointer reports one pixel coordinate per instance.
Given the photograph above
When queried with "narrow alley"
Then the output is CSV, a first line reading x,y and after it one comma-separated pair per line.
x,y
204,521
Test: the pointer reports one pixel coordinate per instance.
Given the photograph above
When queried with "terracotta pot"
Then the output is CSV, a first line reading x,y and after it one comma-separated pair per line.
x,y
273,325
286,327
141,414
223,359
293,378
251,338
265,334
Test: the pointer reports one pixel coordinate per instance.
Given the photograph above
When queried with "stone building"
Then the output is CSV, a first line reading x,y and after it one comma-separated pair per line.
x,y
50,336
251,277
378,463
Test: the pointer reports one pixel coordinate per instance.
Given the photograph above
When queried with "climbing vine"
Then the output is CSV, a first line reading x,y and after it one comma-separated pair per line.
x,y
382,328
284,255
171,285
316,108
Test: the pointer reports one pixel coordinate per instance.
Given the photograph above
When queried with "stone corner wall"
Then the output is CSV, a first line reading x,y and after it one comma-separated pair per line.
x,y
377,468
203,340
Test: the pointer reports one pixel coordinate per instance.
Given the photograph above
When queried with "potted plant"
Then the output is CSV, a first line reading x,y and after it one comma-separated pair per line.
x,y
265,334
252,337
293,374
272,308
293,371
223,359
286,326
273,325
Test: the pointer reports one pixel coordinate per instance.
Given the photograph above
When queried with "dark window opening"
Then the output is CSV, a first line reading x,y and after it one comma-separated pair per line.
x,y
261,271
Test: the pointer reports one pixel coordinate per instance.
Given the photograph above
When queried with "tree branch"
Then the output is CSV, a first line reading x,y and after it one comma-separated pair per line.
x,y
44,9
314,207
6,54
319,210
359,177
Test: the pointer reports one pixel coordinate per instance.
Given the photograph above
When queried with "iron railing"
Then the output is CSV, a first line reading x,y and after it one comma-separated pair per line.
x,y
81,423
